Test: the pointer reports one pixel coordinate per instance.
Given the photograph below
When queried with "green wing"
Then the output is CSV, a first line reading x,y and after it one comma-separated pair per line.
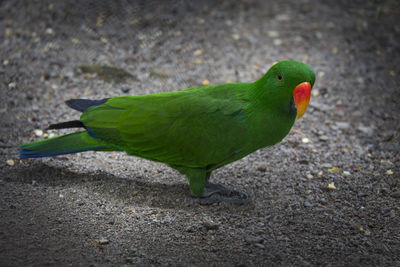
x,y
197,127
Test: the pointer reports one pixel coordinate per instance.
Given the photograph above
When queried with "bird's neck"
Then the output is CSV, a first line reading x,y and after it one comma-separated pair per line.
x,y
272,118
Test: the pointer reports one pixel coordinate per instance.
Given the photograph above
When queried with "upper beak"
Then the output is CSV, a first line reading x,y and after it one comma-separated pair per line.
x,y
301,96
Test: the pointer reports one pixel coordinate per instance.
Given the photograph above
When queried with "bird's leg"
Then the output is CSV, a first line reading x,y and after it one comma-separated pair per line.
x,y
216,193
197,180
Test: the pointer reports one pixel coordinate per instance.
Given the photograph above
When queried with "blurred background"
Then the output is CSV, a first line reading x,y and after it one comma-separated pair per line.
x,y
327,195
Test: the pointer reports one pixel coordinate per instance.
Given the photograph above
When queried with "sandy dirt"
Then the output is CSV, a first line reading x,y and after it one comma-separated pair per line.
x,y
329,194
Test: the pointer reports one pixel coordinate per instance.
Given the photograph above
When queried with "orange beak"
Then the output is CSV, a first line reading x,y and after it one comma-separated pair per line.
x,y
301,96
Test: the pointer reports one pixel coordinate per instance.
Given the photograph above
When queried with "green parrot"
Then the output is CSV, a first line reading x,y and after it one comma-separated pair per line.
x,y
194,131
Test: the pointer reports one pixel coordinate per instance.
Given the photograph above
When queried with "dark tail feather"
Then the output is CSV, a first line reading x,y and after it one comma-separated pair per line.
x,y
67,124
83,104
80,105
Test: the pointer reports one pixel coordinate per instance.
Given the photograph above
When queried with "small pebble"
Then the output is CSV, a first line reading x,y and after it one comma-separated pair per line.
x,y
198,61
282,17
365,129
38,132
259,245
261,168
198,52
235,36
326,165
310,176
10,162
49,31
190,229
343,125
298,39
12,85
278,42
346,173
308,204
103,241
273,34
125,89
210,225
305,140
324,138
8,32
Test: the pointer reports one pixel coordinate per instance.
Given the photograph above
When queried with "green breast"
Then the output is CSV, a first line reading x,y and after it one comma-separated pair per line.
x,y
269,127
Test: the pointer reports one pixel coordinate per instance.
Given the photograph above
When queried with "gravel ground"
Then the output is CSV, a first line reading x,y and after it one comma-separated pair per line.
x,y
329,194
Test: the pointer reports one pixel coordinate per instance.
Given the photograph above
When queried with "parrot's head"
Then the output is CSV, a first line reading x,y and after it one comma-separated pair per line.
x,y
288,84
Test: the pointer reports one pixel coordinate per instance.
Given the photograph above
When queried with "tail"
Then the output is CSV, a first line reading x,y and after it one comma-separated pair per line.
x,y
60,145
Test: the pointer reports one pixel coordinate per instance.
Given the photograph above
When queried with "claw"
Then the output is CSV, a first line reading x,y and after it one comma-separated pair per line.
x,y
216,193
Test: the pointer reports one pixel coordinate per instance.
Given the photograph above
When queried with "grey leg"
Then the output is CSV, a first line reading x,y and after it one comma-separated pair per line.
x,y
216,193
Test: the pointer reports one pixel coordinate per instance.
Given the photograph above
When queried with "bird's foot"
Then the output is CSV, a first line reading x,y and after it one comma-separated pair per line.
x,y
216,193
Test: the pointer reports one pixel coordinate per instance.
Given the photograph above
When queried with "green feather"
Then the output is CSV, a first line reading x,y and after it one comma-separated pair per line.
x,y
65,144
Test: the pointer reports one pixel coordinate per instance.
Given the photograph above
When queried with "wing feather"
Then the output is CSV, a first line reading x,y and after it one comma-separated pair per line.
x,y
192,128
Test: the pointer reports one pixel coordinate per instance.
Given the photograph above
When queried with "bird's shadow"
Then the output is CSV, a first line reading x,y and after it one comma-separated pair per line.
x,y
128,191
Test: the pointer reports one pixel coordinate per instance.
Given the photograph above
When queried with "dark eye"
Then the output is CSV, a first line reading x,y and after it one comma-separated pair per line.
x,y
280,78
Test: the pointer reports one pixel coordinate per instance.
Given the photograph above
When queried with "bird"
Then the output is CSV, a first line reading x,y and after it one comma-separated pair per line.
x,y
194,131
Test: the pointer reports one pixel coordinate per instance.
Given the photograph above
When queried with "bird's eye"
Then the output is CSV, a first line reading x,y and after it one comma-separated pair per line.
x,y
280,78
